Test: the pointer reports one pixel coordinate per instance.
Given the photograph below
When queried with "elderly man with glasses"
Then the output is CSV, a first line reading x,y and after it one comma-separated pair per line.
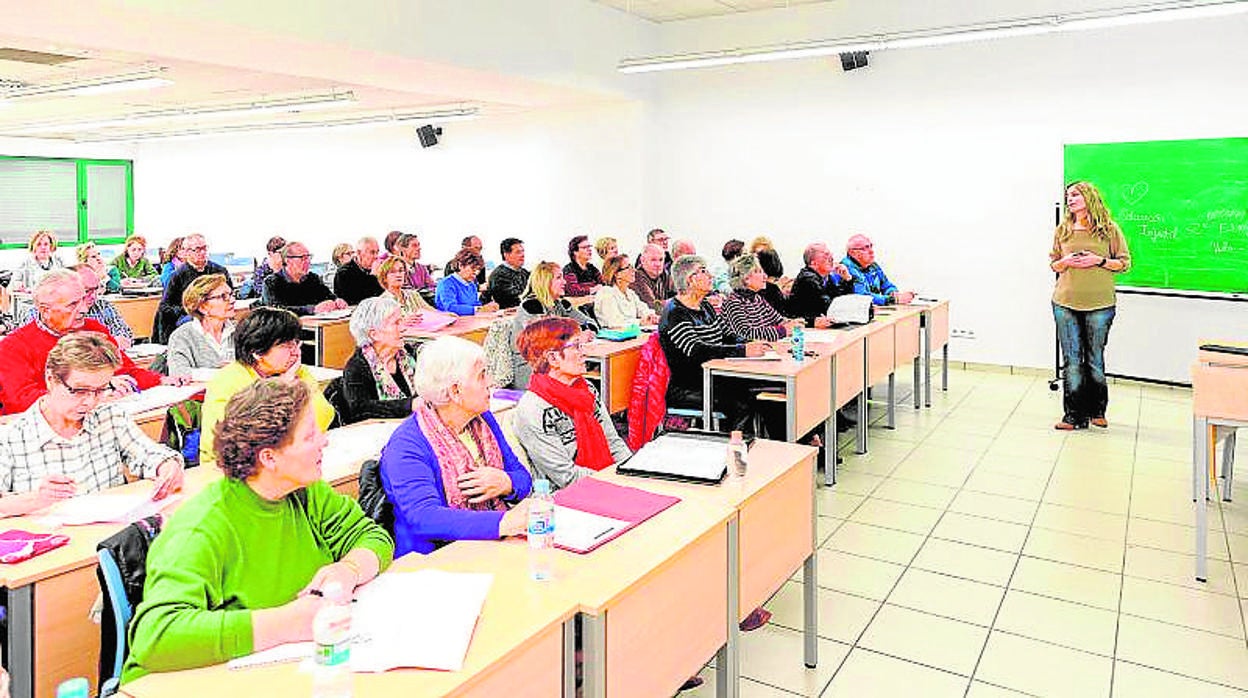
x,y
195,253
869,278
69,442
60,308
296,287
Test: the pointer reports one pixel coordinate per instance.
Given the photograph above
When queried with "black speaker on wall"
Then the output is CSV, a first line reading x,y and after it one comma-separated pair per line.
x,y
428,135
854,60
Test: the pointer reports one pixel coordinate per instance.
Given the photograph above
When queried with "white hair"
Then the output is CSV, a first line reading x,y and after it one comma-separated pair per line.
x,y
53,281
369,315
444,363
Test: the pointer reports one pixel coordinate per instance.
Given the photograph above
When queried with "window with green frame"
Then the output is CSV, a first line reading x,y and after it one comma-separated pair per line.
x,y
79,199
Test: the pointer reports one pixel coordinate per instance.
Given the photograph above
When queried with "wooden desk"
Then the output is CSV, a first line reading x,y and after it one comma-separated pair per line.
x,y
908,343
470,327
775,534
935,323
804,386
617,365
1219,401
517,650
50,638
330,340
139,312
848,375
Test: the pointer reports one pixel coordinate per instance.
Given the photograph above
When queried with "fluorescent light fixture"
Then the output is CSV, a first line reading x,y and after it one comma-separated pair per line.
x,y
145,79
371,121
272,106
1030,26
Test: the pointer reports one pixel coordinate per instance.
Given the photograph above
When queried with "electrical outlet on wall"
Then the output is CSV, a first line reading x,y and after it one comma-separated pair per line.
x,y
962,333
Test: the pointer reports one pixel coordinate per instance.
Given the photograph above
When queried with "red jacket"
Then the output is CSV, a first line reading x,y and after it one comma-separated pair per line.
x,y
647,402
24,354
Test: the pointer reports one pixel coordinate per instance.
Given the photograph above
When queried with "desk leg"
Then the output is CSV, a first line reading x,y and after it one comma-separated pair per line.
x,y
594,652
917,384
927,361
706,399
1228,463
1200,476
21,640
810,583
862,411
569,658
728,659
944,368
604,395
831,445
790,410
892,397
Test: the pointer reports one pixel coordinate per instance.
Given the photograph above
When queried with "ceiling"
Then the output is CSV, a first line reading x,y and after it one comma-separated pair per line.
x,y
672,10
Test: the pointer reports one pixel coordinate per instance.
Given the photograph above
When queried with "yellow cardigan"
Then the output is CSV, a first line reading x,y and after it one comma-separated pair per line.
x,y
233,378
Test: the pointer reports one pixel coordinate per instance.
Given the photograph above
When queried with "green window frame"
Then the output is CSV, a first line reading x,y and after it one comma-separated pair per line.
x,y
83,168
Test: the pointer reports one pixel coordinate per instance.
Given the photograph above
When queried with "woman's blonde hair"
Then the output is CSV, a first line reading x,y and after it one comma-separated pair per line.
x,y
34,239
198,291
339,250
84,250
603,244
760,243
387,266
539,283
1099,219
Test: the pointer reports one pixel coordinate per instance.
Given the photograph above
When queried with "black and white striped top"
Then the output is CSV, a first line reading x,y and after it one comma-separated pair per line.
x,y
749,315
692,336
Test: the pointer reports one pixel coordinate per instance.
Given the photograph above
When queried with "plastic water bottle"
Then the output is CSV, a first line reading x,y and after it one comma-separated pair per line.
x,y
331,631
73,688
799,343
738,455
541,532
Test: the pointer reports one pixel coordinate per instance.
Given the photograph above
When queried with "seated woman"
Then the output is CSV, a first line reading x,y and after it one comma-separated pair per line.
x,y
745,311
207,339
559,421
133,266
378,378
242,566
41,260
543,298
583,278
458,293
392,273
70,441
89,254
776,292
267,344
170,260
447,469
616,304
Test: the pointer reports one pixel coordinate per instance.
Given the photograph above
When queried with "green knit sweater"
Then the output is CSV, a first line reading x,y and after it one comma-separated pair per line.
x,y
229,550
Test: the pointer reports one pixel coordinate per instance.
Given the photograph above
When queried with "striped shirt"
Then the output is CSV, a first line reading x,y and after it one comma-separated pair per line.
x,y
750,316
690,337
95,457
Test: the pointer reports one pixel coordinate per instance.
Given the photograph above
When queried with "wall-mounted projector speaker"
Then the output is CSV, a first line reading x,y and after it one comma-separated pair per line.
x,y
428,135
854,60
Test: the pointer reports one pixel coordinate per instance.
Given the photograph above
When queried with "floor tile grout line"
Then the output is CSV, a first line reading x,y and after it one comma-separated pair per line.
x,y
1126,532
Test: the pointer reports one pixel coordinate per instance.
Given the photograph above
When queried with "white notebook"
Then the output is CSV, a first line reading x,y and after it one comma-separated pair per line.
x,y
580,530
107,508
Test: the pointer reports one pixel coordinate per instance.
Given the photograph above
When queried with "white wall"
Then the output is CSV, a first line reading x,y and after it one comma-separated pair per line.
x,y
951,158
541,177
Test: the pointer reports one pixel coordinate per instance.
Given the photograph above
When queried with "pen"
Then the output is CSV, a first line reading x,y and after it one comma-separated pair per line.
x,y
603,533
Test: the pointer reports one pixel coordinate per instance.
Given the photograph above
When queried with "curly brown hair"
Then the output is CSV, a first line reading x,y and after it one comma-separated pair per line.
x,y
262,415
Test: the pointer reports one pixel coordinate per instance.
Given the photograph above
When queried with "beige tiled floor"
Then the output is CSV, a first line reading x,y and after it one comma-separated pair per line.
x,y
976,552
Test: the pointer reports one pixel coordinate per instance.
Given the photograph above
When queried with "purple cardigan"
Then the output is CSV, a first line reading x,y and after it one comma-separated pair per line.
x,y
412,479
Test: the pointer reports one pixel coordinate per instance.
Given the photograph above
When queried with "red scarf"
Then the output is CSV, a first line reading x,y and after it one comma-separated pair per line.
x,y
577,401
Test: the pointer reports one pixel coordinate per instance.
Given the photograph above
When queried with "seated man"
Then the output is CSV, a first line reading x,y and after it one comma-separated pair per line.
x,y
69,443
194,252
868,277
355,280
654,282
816,285
60,307
296,288
509,279
98,307
245,564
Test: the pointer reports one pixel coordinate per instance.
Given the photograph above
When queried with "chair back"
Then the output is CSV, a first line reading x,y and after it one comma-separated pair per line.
x,y
337,399
122,572
372,496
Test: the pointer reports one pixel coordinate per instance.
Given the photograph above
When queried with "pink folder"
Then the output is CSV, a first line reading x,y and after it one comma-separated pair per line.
x,y
432,321
613,501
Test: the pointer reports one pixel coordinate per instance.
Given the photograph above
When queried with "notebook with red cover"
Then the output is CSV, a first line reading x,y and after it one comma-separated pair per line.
x,y
627,504
19,546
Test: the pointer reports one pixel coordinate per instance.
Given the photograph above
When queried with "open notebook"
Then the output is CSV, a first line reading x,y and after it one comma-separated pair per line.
x,y
690,457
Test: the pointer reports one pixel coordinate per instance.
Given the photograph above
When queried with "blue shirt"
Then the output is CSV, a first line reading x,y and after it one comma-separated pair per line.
x,y
454,295
412,478
870,281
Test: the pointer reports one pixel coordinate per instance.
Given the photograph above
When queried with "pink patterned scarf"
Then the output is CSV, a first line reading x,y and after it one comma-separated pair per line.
x,y
454,459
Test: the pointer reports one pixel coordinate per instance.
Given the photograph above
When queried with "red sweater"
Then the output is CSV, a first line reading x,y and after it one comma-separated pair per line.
x,y
24,354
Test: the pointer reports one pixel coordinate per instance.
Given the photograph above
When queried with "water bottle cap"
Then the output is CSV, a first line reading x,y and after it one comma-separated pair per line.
x,y
541,486
73,688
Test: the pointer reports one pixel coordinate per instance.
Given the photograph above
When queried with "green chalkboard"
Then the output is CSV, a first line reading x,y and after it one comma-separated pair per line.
x,y
1182,205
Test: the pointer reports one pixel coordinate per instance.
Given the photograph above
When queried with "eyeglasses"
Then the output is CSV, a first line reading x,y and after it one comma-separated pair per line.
x,y
218,296
80,392
298,256
576,344
863,247
197,248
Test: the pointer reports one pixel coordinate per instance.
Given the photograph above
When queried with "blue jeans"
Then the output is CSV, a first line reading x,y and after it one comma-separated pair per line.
x,y
1082,335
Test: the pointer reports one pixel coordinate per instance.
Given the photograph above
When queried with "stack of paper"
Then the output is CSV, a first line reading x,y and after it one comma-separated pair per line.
x,y
822,336
581,531
333,314
358,442
159,397
769,355
137,351
107,508
430,321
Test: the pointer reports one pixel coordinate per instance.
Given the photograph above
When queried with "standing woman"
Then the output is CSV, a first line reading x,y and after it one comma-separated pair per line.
x,y
1088,249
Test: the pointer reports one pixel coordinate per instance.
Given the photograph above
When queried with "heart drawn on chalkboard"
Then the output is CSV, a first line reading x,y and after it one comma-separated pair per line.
x,y
1134,193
